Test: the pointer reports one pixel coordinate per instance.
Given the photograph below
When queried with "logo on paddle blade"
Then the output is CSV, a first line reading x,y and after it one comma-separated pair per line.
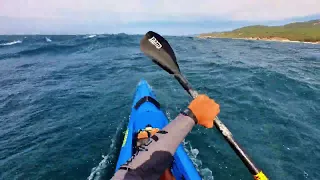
x,y
155,42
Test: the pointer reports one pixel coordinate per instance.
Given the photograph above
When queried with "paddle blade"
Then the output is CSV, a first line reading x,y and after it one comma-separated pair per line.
x,y
159,50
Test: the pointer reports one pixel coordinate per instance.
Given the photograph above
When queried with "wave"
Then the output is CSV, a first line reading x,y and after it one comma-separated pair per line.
x,y
47,49
312,57
98,172
90,36
11,43
48,40
72,45
205,172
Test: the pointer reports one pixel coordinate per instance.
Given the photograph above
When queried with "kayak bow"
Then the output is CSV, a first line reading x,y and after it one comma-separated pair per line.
x,y
146,114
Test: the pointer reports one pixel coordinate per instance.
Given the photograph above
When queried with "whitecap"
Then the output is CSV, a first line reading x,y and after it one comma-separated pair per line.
x,y
48,40
90,36
205,172
11,43
97,172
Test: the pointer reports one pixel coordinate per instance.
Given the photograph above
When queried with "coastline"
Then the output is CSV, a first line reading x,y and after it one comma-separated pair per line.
x,y
273,39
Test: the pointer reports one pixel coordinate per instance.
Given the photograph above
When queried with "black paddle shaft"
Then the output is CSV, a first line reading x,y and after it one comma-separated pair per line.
x,y
160,51
235,146
227,135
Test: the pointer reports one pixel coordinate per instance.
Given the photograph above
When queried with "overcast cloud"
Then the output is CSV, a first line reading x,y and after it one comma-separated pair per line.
x,y
122,12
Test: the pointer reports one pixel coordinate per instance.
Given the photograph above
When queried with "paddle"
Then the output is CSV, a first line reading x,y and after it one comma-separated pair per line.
x,y
159,50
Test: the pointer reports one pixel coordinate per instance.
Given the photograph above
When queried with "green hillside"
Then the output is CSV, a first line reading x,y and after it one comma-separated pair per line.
x,y
299,31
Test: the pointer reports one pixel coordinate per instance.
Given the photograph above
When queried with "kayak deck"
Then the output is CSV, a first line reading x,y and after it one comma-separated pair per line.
x,y
146,112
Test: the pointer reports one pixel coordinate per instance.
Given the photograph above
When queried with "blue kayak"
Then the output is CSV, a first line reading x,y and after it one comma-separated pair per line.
x,y
146,113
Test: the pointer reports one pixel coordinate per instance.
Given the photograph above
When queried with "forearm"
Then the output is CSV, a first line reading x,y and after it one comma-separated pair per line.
x,y
156,155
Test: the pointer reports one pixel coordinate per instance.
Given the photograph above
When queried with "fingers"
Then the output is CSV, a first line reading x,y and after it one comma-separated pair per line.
x,y
209,124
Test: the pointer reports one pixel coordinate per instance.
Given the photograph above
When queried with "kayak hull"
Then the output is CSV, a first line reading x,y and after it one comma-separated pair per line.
x,y
146,111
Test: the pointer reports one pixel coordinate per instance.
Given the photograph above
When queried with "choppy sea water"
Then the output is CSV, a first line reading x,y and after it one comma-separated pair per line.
x,y
65,102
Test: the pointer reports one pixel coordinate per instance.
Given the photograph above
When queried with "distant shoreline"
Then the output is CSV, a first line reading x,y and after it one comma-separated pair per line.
x,y
273,39
298,32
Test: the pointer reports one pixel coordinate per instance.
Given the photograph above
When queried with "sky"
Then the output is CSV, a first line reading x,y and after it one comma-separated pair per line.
x,y
178,17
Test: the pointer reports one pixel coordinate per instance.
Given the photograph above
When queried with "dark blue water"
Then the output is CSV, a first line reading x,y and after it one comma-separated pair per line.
x,y
64,104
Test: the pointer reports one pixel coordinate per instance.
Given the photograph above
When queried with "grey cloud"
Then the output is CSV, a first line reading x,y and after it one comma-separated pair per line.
x,y
145,10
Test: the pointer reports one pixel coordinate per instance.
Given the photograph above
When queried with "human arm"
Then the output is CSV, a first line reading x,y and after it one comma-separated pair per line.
x,y
156,155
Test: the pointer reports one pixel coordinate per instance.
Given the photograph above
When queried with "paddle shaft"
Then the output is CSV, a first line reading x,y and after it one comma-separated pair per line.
x,y
222,128
160,51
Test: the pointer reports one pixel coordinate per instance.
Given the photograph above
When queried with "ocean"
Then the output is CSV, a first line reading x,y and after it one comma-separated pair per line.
x,y
65,103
